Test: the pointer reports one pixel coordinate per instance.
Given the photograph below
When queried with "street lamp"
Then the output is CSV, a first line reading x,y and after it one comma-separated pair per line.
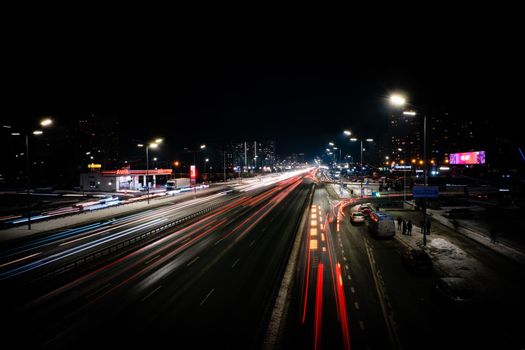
x,y
44,123
153,145
400,101
355,139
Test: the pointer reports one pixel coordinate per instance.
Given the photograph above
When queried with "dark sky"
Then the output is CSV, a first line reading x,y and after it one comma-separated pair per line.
x,y
192,94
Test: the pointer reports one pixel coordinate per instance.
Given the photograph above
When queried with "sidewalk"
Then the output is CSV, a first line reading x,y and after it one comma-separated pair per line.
x,y
415,241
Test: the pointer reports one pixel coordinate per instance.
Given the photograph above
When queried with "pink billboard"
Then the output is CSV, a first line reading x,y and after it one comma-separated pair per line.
x,y
468,158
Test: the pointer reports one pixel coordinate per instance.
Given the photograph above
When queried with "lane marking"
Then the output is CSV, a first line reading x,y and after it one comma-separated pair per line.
x,y
235,263
191,262
151,293
150,260
207,296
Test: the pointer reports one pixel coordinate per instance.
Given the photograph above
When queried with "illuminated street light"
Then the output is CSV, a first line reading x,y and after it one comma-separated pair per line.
x,y
46,122
154,145
397,100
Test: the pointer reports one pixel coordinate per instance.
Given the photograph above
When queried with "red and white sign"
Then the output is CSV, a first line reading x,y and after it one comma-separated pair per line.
x,y
137,172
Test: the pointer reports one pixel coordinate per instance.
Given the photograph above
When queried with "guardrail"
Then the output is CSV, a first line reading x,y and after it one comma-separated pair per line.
x,y
121,247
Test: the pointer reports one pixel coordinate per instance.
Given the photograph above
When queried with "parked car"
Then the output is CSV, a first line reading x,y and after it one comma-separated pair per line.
x,y
417,260
455,290
357,217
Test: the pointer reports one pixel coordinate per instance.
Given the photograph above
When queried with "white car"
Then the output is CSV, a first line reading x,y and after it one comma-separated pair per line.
x,y
357,217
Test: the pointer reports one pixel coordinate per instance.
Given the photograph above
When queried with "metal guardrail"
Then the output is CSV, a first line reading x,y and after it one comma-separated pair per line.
x,y
120,246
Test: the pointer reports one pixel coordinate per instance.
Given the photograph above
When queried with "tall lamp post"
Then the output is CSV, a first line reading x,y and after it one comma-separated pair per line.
x,y
400,101
354,139
44,123
154,144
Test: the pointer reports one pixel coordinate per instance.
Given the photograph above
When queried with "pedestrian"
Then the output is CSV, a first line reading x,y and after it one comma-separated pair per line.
x,y
404,227
493,235
428,227
409,227
399,221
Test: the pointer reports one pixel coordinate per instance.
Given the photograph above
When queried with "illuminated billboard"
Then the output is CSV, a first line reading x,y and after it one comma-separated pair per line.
x,y
468,158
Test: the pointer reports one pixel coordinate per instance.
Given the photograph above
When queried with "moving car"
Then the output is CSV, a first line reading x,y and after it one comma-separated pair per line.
x,y
381,225
356,217
417,260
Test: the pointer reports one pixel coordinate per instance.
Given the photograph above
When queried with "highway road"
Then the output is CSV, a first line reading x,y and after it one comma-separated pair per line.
x,y
211,280
208,283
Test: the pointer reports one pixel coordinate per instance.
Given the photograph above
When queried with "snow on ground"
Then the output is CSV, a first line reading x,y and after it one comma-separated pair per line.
x,y
451,259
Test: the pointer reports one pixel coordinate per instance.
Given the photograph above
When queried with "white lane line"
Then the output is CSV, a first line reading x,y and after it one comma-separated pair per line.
x,y
191,262
253,242
98,290
356,304
204,300
361,325
150,260
151,293
235,263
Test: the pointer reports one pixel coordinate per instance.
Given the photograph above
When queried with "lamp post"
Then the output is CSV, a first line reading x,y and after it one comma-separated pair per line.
x,y
44,123
354,139
400,101
154,144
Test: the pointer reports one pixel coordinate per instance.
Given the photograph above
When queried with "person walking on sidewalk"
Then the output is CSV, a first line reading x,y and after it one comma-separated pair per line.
x,y
409,227
493,235
428,227
399,221
404,227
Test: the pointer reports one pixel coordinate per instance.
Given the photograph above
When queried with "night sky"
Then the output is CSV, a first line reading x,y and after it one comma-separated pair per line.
x,y
198,95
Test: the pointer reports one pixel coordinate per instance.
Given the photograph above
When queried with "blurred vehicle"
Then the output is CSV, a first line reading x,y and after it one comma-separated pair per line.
x,y
381,225
357,217
455,290
417,260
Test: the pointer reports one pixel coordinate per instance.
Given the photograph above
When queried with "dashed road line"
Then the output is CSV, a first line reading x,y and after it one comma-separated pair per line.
x,y
151,293
191,262
235,263
207,296
150,260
